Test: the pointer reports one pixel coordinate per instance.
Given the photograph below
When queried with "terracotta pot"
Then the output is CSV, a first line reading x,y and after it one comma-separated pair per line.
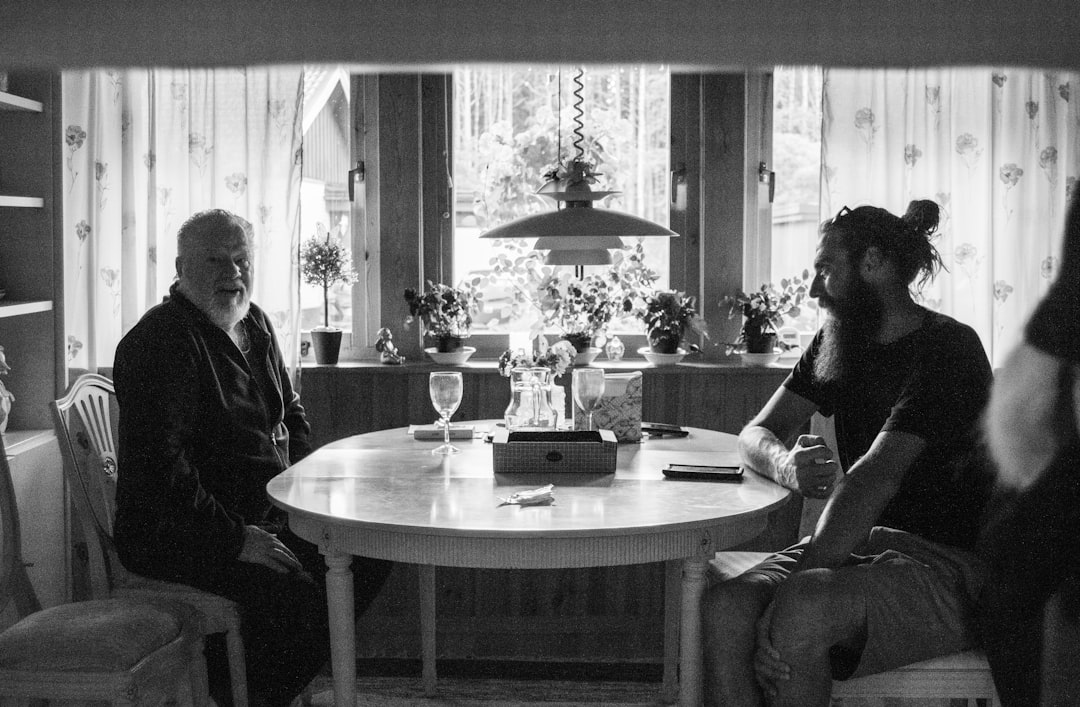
x,y
327,345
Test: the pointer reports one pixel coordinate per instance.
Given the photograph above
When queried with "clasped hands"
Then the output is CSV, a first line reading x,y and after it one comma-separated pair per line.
x,y
263,548
813,466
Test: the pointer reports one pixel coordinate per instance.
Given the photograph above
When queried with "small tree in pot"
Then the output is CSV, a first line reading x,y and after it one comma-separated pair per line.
x,y
325,262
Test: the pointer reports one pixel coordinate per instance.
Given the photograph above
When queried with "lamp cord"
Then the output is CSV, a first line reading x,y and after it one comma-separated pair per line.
x,y
578,112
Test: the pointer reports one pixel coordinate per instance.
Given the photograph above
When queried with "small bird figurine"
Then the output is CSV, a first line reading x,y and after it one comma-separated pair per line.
x,y
388,353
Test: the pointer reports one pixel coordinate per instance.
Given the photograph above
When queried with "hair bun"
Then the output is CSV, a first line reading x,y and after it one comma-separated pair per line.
x,y
923,215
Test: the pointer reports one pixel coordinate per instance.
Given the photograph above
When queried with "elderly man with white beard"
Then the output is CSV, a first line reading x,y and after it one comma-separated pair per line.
x,y
208,416
889,575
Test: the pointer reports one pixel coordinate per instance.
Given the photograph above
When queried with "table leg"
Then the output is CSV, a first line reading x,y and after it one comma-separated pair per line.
x,y
672,616
427,627
693,586
339,599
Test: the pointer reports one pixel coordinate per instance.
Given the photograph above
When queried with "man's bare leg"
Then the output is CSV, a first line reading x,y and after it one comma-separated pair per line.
x,y
729,612
812,611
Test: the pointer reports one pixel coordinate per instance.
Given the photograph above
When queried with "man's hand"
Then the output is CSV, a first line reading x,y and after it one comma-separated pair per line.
x,y
812,463
768,667
260,547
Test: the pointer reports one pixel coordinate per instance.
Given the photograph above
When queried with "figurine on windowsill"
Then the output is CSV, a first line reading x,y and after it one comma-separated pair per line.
x,y
6,398
388,353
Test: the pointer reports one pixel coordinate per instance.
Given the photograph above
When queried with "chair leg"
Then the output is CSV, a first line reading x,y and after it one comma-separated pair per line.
x,y
198,683
237,667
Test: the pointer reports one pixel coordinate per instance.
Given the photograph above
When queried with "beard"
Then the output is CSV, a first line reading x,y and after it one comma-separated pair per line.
x,y
227,315
848,332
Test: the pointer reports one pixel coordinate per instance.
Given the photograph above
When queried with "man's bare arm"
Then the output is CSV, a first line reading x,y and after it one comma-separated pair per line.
x,y
808,467
860,498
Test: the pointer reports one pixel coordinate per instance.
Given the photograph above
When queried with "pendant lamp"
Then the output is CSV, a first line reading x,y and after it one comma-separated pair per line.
x,y
577,233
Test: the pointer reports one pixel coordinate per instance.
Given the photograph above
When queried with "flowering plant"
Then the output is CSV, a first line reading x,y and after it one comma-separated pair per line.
x,y
443,311
764,311
670,314
580,308
325,262
556,358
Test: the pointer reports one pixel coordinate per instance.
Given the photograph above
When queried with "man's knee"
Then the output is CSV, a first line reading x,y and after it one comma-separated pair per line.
x,y
815,609
731,608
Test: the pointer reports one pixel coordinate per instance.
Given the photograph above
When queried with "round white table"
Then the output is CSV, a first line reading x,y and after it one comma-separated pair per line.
x,y
384,495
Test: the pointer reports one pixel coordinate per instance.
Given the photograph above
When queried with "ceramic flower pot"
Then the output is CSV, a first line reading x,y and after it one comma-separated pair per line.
x,y
763,344
581,342
664,341
327,345
448,344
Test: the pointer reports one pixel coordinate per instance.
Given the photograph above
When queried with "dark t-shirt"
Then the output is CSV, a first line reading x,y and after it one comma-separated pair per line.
x,y
933,383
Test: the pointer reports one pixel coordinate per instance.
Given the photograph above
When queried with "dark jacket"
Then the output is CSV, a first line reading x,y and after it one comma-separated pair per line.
x,y
201,433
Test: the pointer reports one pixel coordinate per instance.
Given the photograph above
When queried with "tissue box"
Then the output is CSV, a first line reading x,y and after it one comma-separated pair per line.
x,y
620,409
516,452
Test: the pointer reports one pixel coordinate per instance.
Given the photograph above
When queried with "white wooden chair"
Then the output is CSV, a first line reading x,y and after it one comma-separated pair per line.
x,y
122,651
84,420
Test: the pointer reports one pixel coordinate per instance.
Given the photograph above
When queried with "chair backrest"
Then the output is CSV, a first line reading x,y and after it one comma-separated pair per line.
x,y
14,583
84,420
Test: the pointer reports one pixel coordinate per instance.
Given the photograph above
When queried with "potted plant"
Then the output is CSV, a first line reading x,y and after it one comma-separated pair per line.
x,y
763,311
325,262
668,315
580,309
445,313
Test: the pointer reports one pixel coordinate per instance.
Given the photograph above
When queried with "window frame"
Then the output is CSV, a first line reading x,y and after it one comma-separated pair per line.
x,y
400,135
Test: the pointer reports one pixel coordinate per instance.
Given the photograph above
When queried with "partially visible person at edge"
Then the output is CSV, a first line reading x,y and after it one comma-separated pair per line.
x,y
889,575
1029,545
207,417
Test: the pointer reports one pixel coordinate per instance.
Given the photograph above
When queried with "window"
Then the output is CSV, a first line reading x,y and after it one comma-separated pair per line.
x,y
511,126
796,158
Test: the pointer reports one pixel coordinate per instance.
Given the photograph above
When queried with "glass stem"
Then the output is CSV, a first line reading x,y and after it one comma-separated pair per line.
x,y
446,430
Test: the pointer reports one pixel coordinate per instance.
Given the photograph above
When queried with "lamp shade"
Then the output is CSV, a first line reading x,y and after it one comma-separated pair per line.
x,y
578,221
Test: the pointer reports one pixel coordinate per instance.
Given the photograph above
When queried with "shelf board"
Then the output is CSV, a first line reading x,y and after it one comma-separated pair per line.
x,y
9,101
18,441
25,202
14,309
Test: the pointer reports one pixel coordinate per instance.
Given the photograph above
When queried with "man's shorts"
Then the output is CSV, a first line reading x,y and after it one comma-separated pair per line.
x,y
920,599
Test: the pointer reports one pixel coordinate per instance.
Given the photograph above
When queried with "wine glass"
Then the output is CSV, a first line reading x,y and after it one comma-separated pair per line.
x,y
588,384
445,389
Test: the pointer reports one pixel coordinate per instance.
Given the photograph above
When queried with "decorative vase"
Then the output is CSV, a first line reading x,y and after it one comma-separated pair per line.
x,y
327,345
761,344
664,341
530,400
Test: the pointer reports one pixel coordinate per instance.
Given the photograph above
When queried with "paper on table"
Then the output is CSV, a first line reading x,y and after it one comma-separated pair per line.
x,y
436,431
536,497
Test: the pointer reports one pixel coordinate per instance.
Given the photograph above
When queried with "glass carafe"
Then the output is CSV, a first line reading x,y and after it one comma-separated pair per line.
x,y
530,400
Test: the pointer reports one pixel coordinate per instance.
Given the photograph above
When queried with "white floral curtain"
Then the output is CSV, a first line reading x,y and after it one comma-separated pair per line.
x,y
144,150
999,150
